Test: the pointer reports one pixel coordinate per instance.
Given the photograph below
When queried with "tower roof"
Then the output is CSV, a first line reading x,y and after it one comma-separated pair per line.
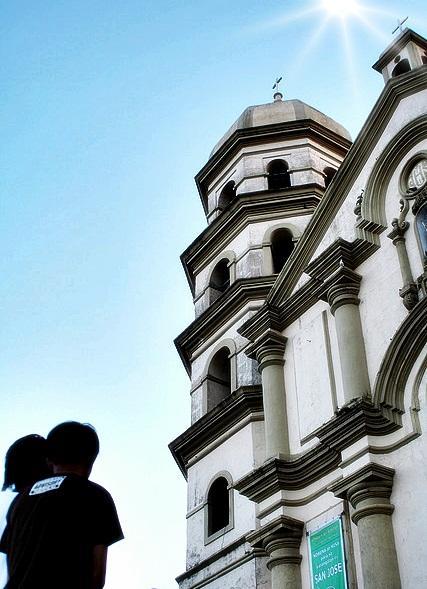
x,y
280,112
406,36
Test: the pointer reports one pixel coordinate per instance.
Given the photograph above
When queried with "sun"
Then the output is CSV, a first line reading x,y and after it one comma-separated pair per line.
x,y
341,8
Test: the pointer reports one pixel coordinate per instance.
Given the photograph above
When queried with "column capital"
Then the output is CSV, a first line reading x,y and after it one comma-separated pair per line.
x,y
409,295
282,549
368,490
343,288
398,232
268,349
281,539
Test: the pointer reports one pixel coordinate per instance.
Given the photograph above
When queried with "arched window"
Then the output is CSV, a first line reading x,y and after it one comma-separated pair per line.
x,y
218,506
218,378
227,195
282,245
220,279
278,175
402,67
329,173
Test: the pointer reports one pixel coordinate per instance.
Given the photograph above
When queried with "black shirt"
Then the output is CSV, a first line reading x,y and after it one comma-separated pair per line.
x,y
51,531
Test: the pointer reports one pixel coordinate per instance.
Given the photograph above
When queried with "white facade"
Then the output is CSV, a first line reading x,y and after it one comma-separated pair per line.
x,y
309,379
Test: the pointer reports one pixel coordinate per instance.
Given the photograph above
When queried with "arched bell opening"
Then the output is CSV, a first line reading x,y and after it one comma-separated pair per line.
x,y
278,175
402,67
329,173
282,245
218,378
220,280
227,195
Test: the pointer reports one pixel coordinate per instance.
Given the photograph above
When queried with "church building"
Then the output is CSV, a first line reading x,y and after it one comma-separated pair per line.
x,y
306,458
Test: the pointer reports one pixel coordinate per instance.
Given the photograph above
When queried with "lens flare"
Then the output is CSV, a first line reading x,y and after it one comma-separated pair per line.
x,y
341,8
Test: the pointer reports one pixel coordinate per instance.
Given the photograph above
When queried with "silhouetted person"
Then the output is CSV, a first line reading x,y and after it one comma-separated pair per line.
x,y
58,530
25,463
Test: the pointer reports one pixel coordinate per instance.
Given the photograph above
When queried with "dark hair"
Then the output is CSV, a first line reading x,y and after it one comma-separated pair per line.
x,y
25,463
73,443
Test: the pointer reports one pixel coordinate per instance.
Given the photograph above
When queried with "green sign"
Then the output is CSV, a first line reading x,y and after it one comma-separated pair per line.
x,y
327,562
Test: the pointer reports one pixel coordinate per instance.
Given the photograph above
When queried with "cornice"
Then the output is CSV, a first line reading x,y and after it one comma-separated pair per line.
x,y
267,318
242,403
246,208
368,490
241,292
394,91
280,526
342,288
268,349
306,128
277,474
352,422
340,253
368,474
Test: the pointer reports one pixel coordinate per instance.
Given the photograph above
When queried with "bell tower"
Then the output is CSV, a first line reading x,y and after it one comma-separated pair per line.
x,y
407,52
259,188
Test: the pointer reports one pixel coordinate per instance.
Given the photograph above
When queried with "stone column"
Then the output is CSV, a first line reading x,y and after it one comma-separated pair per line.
x,y
232,269
368,491
269,351
284,561
267,259
281,539
409,291
344,303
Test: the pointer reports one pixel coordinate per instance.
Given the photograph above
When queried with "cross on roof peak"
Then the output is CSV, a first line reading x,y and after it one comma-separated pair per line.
x,y
400,25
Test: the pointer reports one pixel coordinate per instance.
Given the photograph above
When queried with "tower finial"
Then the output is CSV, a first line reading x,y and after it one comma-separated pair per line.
x,y
278,96
399,25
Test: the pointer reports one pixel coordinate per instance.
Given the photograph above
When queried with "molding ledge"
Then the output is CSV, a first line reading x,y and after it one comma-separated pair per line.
x,y
305,128
240,293
355,420
368,476
244,402
248,207
280,526
277,474
340,252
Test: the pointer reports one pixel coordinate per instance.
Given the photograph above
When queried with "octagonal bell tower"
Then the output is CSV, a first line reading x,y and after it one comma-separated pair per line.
x,y
259,188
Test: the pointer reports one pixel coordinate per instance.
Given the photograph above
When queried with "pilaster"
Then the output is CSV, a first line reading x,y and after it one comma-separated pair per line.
x,y
342,294
369,490
269,351
281,539
409,290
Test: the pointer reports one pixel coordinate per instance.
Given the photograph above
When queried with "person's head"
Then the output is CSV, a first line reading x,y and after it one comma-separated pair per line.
x,y
25,463
72,445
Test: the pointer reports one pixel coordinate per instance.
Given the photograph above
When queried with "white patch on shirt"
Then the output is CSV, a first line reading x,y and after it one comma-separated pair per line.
x,y
47,485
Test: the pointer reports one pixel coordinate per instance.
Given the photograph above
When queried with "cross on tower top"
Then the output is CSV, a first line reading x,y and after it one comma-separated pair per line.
x,y
399,25
277,94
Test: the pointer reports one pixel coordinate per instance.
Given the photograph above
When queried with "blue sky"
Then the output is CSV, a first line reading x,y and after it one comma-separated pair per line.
x,y
107,111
